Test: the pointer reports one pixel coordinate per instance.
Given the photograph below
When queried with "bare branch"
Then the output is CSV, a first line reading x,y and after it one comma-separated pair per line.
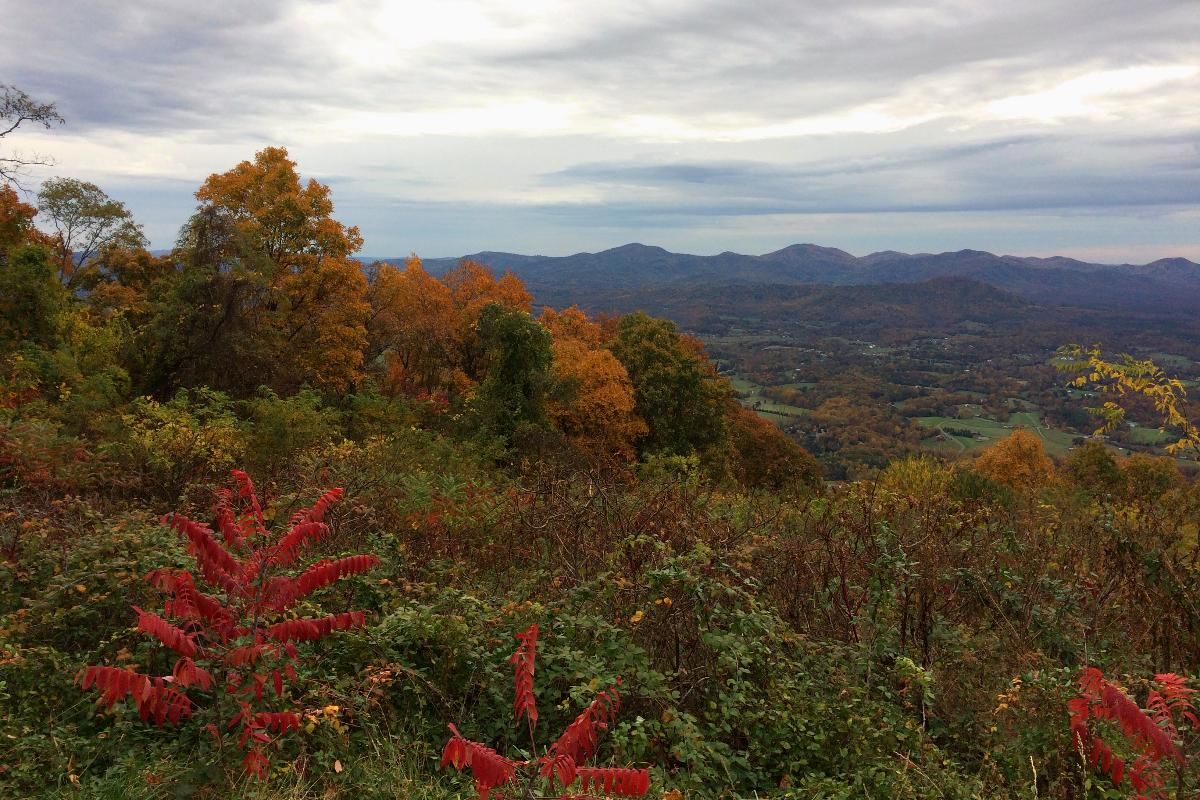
x,y
16,109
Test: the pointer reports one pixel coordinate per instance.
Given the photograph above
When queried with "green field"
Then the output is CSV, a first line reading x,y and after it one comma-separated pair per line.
x,y
781,408
1142,435
989,431
745,388
1171,361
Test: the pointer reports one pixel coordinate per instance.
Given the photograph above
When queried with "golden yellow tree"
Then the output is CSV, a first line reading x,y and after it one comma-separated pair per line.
x,y
593,404
1019,461
290,275
572,323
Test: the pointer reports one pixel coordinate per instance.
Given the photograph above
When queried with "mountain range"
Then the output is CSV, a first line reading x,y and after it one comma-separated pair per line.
x,y
596,279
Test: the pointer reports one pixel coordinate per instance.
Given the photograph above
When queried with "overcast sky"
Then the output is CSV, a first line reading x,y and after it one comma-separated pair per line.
x,y
1033,127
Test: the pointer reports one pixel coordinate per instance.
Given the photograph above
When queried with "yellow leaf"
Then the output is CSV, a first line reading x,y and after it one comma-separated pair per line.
x,y
638,616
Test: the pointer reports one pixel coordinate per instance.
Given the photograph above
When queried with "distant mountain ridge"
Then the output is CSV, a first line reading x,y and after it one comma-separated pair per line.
x,y
1169,284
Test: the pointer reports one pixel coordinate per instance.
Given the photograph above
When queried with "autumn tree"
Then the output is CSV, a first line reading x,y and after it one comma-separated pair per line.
x,y
269,283
16,109
1018,461
1147,478
16,223
86,222
675,390
762,457
412,327
472,288
127,280
572,324
591,401
1091,466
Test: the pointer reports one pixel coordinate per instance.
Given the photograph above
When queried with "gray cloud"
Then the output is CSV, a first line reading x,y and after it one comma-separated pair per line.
x,y
678,115
1031,172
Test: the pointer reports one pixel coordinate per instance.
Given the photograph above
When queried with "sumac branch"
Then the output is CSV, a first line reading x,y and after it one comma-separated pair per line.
x,y
237,640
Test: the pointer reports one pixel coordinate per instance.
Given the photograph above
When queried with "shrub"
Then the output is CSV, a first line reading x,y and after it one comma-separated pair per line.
x,y
242,645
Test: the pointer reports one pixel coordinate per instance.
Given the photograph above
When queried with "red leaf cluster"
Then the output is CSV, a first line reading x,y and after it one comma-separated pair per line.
x,y
612,780
523,663
1151,734
165,632
186,674
301,536
489,768
154,699
310,630
579,739
240,634
561,762
324,572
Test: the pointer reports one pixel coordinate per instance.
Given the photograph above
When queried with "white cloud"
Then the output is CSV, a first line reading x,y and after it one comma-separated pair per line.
x,y
1097,95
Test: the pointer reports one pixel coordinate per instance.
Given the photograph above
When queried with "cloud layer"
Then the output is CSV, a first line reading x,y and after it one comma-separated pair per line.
x,y
702,125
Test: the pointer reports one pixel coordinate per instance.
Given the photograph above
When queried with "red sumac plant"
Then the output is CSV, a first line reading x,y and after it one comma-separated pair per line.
x,y
560,767
235,637
1153,734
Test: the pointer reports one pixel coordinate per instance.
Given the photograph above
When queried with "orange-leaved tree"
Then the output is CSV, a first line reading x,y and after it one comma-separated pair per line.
x,y
1158,737
561,765
412,325
592,402
239,641
268,281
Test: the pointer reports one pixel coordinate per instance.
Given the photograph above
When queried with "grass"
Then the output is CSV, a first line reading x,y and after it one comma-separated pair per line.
x,y
1170,361
781,408
988,431
1151,436
744,387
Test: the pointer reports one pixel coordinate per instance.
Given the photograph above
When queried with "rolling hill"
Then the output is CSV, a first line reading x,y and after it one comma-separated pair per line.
x,y
595,279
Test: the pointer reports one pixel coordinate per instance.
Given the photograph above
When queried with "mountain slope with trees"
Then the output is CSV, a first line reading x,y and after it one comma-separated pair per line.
x,y
1168,283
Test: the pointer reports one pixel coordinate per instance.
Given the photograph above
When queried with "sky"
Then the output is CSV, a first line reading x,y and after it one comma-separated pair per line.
x,y
446,127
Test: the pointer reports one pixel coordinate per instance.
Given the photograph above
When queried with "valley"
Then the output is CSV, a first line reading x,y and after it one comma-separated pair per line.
x,y
864,360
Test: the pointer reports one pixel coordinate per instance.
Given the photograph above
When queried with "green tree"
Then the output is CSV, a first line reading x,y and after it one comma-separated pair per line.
x,y
30,299
1091,466
675,389
519,355
86,221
